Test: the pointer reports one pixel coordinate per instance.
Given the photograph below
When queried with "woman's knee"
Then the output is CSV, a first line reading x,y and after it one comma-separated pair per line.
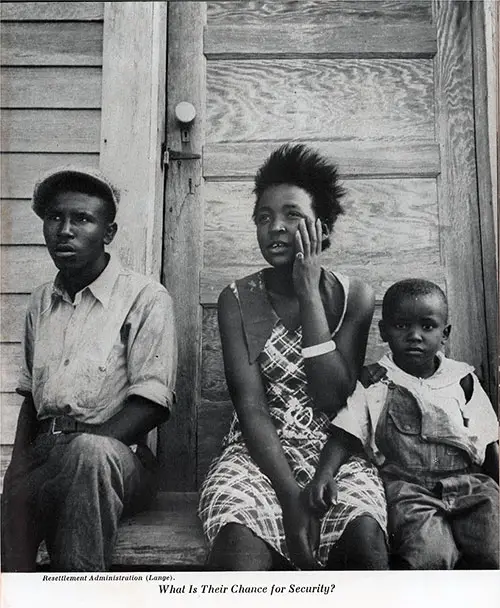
x,y
362,546
365,529
236,547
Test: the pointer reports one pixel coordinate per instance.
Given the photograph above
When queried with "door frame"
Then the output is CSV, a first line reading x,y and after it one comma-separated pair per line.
x,y
133,126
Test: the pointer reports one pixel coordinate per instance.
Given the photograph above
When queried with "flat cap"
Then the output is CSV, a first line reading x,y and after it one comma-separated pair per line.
x,y
73,178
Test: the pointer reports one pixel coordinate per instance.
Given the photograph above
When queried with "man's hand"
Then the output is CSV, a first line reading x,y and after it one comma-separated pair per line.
x,y
302,532
320,494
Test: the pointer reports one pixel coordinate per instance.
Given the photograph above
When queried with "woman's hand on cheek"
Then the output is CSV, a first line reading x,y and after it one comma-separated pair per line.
x,y
306,267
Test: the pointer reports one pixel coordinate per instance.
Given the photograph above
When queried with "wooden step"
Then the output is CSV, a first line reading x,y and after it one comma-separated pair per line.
x,y
168,536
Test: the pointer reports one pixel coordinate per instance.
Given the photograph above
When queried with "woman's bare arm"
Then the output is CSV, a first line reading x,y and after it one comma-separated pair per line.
x,y
248,396
331,376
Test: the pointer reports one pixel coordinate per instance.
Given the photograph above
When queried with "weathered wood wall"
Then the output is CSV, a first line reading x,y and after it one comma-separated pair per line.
x,y
51,112
386,89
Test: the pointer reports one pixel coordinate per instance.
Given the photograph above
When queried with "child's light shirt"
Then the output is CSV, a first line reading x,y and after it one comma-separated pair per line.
x,y
441,399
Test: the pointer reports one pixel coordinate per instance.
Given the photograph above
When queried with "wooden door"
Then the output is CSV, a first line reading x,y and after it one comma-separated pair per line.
x,y
383,88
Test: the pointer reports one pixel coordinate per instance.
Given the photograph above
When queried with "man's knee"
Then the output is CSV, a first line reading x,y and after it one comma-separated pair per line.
x,y
86,453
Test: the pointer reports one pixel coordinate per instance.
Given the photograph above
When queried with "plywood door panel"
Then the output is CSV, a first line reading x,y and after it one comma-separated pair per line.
x,y
240,160
294,40
354,99
334,12
380,103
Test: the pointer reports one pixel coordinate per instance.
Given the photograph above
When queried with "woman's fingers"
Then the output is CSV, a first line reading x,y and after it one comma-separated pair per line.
x,y
311,236
304,233
319,236
299,244
330,493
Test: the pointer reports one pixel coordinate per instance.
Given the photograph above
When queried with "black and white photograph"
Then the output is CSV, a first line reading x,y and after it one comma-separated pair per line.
x,y
249,303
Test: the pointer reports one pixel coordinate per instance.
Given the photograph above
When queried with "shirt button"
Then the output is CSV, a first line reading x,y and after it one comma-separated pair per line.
x,y
66,362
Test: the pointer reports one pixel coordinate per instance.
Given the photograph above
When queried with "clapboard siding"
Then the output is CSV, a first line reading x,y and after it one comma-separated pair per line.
x,y
19,224
20,171
51,87
24,267
13,307
51,114
56,11
328,98
45,43
11,361
5,453
51,130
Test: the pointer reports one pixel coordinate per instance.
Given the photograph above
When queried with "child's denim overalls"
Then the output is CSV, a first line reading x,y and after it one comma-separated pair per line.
x,y
440,507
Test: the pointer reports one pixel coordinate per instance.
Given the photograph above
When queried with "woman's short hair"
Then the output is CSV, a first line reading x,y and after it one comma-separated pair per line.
x,y
301,166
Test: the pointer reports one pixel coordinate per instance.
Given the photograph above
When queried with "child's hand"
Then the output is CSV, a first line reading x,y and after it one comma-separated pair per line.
x,y
307,268
320,494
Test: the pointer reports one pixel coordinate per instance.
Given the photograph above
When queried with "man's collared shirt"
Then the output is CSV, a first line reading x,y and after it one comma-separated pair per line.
x,y
116,339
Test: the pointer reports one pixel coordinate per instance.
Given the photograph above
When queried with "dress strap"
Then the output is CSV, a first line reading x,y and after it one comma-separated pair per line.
x,y
344,281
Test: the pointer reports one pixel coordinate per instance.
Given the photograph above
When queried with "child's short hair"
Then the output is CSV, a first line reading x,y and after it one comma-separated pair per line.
x,y
298,165
411,288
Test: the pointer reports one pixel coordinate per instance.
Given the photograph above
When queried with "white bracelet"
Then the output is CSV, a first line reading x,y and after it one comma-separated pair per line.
x,y
318,349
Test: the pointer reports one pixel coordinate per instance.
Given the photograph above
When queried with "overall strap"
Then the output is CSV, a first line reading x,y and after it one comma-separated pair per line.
x,y
370,374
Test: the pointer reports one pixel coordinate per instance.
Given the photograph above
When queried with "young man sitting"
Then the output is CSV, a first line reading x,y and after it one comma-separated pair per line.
x,y
98,373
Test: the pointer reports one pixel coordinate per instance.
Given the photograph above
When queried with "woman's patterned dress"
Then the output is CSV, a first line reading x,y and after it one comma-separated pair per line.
x,y
236,491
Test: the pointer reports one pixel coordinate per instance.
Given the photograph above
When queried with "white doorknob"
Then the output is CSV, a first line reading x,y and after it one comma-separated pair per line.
x,y
185,112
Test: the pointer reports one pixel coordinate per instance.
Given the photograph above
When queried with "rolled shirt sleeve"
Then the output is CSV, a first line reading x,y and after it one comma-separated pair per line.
x,y
152,347
481,420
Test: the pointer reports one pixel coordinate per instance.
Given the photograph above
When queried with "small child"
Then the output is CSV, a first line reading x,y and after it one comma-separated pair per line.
x,y
429,426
